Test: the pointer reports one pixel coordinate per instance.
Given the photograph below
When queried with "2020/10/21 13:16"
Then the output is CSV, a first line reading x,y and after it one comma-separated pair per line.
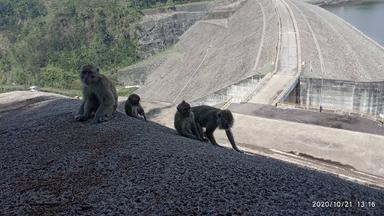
x,y
343,204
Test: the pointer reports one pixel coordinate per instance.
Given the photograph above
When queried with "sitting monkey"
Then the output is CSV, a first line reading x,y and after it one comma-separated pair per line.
x,y
133,107
99,96
185,123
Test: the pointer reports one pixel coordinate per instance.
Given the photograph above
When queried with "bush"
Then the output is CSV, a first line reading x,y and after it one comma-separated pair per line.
x,y
45,42
54,77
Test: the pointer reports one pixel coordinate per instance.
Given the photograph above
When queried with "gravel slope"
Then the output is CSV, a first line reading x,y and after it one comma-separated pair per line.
x,y
129,167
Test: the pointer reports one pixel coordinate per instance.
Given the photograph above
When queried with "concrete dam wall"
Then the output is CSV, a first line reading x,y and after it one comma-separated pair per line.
x,y
365,98
161,28
259,54
235,93
216,54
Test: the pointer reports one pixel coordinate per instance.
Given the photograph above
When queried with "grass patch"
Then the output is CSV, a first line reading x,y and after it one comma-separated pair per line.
x,y
165,6
125,92
121,91
66,92
9,88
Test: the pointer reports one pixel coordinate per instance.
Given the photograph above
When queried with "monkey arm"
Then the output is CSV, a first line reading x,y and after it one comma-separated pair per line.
x,y
81,109
232,140
87,96
127,108
141,112
196,131
80,114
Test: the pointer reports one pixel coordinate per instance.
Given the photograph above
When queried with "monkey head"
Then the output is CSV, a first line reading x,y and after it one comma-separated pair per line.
x,y
134,99
89,74
184,108
225,119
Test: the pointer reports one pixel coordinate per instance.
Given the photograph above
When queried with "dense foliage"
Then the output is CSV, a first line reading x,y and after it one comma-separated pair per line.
x,y
44,42
158,3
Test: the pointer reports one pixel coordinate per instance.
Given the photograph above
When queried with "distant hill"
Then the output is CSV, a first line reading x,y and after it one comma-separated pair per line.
x,y
44,42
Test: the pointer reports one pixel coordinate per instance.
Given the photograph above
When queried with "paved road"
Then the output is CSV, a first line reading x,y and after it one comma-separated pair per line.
x,y
358,150
287,71
332,146
302,132
325,119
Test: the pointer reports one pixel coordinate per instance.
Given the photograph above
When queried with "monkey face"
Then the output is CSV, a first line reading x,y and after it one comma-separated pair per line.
x,y
134,99
89,74
225,119
184,108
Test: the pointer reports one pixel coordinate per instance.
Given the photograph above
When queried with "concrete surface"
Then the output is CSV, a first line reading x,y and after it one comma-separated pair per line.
x,y
51,165
358,150
333,2
161,28
338,141
345,53
332,120
287,69
210,57
365,98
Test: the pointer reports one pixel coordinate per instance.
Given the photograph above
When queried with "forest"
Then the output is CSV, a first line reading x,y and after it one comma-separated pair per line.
x,y
45,42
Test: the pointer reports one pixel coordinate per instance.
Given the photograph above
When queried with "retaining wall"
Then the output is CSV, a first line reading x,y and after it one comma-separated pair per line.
x,y
347,96
234,94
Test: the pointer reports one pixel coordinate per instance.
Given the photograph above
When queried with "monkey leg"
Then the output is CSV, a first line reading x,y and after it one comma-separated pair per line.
x,y
191,136
103,113
211,138
88,107
187,132
196,131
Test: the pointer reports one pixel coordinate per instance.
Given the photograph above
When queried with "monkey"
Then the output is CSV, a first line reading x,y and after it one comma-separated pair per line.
x,y
133,107
185,123
211,118
99,96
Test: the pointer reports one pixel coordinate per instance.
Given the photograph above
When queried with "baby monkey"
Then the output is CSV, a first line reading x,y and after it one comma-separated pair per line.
x,y
99,96
185,123
211,118
133,107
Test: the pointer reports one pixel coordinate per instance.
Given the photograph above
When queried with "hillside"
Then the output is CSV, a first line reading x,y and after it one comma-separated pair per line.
x,y
44,42
51,165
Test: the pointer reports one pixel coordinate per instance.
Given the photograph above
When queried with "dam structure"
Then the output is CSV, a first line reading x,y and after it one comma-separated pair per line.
x,y
265,58
271,52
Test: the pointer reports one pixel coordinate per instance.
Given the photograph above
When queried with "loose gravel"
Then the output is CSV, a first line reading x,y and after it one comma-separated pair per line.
x,y
51,165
